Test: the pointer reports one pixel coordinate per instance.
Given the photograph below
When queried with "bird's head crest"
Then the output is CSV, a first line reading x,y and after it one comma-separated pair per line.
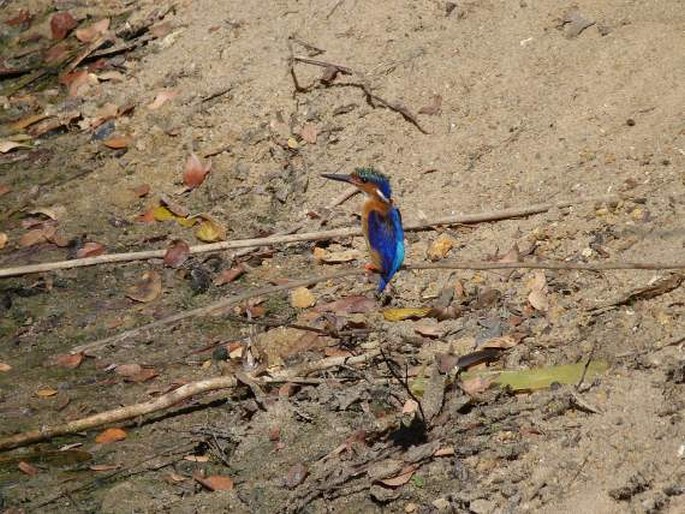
x,y
373,182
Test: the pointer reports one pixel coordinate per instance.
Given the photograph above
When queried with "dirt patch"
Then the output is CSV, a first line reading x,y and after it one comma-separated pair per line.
x,y
468,107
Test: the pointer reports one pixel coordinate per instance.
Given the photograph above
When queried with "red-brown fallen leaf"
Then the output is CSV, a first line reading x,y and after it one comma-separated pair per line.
x,y
60,25
141,190
147,216
57,54
4,189
433,108
75,81
309,133
162,98
143,375
229,275
161,29
428,328
215,482
111,435
147,289
354,304
275,433
33,237
4,367
174,207
177,253
401,479
67,360
27,468
296,475
104,467
92,32
128,370
90,249
23,17
117,142
195,172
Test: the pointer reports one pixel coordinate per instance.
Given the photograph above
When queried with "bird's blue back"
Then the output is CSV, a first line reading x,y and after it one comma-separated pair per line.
x,y
386,236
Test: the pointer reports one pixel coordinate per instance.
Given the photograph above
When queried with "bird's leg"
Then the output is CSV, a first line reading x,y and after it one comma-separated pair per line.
x,y
371,267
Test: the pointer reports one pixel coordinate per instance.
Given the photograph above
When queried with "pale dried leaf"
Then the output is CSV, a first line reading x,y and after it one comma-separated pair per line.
x,y
441,247
7,146
162,98
147,289
92,32
301,298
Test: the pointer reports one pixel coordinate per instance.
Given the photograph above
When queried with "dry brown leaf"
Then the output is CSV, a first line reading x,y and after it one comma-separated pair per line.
x,y
161,29
4,367
46,392
27,121
128,370
428,328
90,249
309,133
475,385
301,298
229,275
502,342
76,82
195,172
538,294
118,142
147,289
92,32
141,190
349,305
67,360
441,247
7,146
33,237
27,468
3,240
296,475
57,54
61,24
322,255
433,108
177,253
162,98
401,479
111,435
215,482
54,213
4,189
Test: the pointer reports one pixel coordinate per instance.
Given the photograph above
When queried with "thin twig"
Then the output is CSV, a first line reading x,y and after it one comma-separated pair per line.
x,y
208,309
598,266
170,399
315,62
294,238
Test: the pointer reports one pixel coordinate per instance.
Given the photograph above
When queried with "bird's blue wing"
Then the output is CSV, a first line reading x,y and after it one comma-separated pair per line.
x,y
386,237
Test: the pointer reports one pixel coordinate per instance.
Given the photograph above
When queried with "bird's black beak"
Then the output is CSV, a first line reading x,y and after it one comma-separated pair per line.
x,y
340,178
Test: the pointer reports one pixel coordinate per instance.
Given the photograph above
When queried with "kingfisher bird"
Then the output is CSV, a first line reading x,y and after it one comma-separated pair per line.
x,y
381,221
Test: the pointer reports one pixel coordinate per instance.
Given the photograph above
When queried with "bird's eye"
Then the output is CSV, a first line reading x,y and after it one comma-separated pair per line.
x,y
363,180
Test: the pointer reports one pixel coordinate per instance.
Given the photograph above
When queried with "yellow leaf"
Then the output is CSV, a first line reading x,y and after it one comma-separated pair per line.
x,y
405,313
161,213
210,231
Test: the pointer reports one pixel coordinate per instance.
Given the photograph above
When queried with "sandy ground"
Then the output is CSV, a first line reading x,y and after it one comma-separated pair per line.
x,y
539,101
